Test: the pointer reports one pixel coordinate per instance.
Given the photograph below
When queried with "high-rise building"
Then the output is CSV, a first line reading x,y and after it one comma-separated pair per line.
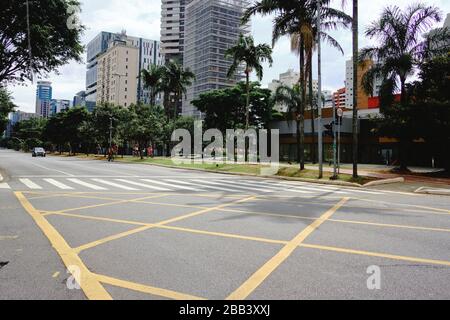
x,y
172,29
43,98
211,27
59,105
363,97
117,74
149,52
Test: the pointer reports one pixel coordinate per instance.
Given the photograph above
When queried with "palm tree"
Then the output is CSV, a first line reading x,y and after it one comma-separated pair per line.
x,y
175,81
246,53
291,97
152,81
298,19
400,50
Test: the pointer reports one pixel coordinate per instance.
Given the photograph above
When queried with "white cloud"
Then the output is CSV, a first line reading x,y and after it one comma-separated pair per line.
x,y
142,18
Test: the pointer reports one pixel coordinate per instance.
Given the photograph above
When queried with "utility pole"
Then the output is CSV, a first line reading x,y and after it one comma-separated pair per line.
x,y
335,121
355,88
319,117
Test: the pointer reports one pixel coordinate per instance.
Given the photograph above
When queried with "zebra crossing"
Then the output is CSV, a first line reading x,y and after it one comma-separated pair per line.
x,y
187,185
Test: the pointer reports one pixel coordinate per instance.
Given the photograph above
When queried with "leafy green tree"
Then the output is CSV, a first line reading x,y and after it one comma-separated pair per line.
x,y
252,56
101,119
6,106
225,109
399,51
53,132
30,133
145,125
72,121
152,79
431,107
292,99
51,41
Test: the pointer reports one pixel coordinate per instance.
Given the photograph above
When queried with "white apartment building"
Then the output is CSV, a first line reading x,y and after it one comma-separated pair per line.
x,y
149,53
117,73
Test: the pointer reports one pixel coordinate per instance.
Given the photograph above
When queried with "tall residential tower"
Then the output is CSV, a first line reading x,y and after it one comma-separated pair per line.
x,y
211,27
172,29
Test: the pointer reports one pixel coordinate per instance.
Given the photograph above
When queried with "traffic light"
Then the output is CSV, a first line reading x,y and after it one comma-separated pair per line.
x,y
329,129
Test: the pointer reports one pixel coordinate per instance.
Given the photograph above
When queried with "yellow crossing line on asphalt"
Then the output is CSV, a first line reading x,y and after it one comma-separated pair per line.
x,y
259,276
375,254
159,224
102,205
145,289
90,285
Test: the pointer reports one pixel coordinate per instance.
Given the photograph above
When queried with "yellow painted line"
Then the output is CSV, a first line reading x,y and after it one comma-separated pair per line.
x,y
384,225
88,283
111,238
99,205
155,225
197,213
146,289
56,275
71,215
223,235
438,211
259,276
378,255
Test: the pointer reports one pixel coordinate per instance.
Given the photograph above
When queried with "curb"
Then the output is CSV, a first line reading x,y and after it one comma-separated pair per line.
x,y
385,181
436,192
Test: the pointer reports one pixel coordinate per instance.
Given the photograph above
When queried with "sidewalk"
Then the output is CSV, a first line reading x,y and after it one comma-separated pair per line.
x,y
379,171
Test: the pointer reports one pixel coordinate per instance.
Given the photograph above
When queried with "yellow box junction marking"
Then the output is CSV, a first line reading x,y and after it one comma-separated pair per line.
x,y
88,283
259,276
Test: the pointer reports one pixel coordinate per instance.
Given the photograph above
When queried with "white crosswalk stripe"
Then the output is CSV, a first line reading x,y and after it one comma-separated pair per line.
x,y
143,185
273,188
172,185
58,184
229,183
232,185
304,186
116,185
4,186
30,184
87,185
212,187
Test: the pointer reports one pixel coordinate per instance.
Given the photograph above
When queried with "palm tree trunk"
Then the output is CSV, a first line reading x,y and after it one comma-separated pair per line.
x,y
302,109
311,103
247,102
355,88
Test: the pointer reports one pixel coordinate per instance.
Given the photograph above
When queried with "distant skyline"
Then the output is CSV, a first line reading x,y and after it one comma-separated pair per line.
x,y
142,18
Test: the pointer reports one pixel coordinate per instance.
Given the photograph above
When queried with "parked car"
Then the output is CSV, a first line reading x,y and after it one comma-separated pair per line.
x,y
39,152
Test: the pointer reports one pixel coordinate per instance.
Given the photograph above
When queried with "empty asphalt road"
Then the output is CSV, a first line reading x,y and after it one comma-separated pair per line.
x,y
81,229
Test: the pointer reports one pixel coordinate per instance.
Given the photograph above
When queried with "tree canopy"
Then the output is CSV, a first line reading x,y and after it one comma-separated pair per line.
x,y
225,108
50,39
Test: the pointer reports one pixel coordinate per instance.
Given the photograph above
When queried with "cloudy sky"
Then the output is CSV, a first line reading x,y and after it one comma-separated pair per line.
x,y
142,18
